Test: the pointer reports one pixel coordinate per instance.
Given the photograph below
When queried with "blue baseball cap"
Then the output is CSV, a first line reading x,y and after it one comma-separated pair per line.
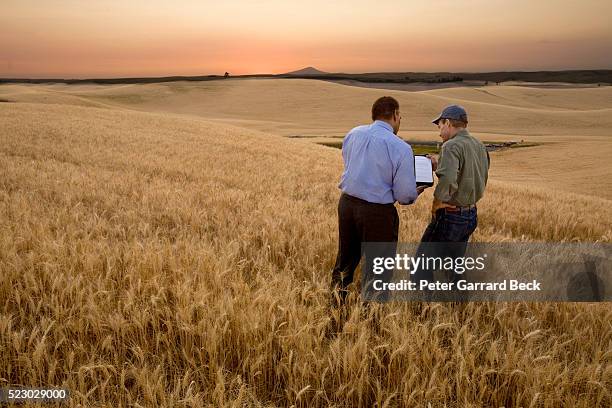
x,y
455,112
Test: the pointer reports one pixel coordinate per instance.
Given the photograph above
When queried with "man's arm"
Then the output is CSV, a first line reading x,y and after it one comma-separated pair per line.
x,y
345,144
433,158
447,171
404,180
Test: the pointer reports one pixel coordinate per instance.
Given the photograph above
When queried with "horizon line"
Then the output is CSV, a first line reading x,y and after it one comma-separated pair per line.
x,y
297,74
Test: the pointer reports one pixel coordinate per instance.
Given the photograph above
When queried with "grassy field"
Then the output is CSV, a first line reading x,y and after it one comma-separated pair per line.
x,y
433,148
574,121
163,256
416,148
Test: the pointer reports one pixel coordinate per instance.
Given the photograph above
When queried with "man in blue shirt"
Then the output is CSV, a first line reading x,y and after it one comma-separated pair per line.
x,y
378,171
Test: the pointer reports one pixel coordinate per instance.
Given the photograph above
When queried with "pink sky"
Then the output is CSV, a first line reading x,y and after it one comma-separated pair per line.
x,y
111,38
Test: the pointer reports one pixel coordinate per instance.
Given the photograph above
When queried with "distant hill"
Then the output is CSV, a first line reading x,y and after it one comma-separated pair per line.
x,y
574,76
601,76
307,71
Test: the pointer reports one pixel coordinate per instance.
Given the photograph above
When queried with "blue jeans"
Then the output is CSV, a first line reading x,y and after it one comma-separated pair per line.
x,y
446,236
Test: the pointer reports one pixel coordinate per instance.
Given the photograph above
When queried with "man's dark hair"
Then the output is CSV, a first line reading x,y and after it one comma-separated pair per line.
x,y
384,108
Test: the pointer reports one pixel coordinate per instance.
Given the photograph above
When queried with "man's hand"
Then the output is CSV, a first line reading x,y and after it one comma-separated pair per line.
x,y
420,189
437,204
434,160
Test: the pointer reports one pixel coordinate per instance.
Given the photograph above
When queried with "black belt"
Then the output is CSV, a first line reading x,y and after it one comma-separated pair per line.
x,y
362,201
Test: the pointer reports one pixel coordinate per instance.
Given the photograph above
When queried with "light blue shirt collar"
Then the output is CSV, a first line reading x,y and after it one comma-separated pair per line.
x,y
384,124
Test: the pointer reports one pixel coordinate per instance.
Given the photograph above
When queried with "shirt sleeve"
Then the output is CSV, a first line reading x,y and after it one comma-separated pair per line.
x,y
345,148
447,171
404,180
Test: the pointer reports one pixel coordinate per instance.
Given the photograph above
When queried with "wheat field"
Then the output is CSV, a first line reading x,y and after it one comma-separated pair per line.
x,y
177,252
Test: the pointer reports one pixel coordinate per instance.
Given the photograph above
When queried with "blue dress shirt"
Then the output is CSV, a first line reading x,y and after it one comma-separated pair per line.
x,y
378,165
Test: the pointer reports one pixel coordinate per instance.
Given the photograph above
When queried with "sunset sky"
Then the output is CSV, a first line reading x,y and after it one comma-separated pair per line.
x,y
111,38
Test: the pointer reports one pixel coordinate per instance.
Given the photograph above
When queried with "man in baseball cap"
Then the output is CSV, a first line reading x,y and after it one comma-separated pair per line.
x,y
454,112
462,170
